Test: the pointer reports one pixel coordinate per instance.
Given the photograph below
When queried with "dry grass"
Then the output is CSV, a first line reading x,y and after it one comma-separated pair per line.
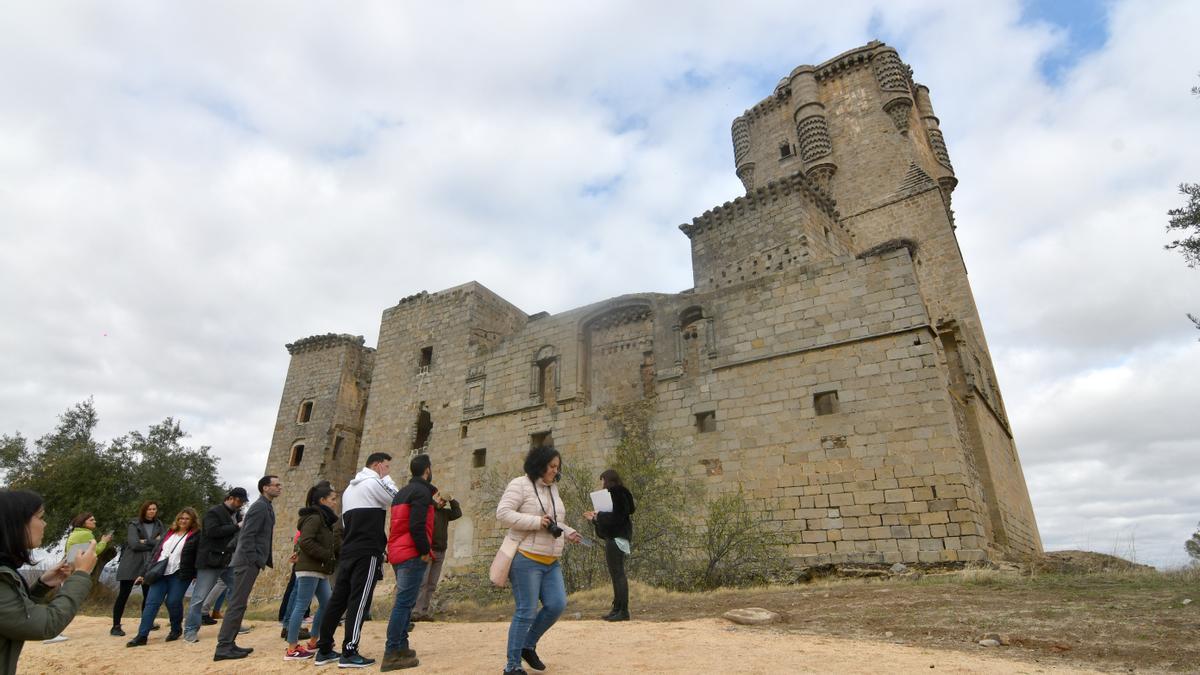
x,y
1105,616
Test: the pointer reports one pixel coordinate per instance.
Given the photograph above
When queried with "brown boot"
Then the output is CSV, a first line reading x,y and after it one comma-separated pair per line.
x,y
397,660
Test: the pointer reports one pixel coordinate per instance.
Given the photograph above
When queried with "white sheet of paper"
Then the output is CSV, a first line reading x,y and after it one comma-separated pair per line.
x,y
602,501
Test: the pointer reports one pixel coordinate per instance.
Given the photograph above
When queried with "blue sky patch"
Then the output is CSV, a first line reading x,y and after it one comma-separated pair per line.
x,y
1086,26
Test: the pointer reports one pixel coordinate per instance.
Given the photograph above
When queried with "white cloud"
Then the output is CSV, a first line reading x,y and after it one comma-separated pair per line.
x,y
185,189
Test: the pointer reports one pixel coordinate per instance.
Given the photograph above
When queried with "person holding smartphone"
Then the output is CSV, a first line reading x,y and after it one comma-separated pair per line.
x,y
26,613
83,528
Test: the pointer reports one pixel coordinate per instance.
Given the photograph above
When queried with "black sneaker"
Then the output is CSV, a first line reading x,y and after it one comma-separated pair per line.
x,y
516,671
325,658
155,627
174,635
207,620
355,660
532,659
136,642
117,632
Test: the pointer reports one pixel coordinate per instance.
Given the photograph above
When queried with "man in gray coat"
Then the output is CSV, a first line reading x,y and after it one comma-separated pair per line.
x,y
252,555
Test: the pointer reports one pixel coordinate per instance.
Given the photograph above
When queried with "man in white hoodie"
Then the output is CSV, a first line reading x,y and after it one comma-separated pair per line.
x,y
365,506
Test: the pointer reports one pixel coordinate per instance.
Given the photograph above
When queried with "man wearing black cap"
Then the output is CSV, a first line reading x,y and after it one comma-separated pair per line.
x,y
213,554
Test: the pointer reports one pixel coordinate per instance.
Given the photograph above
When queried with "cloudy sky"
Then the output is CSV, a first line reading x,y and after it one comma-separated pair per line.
x,y
185,189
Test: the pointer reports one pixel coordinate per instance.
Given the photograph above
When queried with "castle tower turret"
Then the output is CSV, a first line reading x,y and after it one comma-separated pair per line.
x,y
848,157
317,431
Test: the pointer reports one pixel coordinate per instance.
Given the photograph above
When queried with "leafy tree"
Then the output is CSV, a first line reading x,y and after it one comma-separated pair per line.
x,y
733,545
1187,219
1192,546
739,546
73,472
169,472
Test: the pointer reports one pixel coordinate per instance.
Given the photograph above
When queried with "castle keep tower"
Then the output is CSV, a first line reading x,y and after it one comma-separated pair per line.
x,y
317,432
829,359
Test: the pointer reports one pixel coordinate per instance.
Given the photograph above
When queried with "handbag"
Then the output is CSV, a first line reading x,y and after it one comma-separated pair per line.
x,y
159,569
503,562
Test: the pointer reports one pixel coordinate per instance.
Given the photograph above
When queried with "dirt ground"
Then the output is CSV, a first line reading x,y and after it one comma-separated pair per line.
x,y
704,645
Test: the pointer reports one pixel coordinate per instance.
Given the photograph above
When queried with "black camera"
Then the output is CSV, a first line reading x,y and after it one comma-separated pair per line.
x,y
554,529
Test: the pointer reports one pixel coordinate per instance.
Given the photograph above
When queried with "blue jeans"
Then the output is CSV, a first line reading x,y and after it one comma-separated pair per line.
x,y
302,596
171,588
206,578
532,581
409,575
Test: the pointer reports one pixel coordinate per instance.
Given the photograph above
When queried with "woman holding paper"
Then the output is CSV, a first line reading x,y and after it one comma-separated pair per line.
x,y
615,527
534,513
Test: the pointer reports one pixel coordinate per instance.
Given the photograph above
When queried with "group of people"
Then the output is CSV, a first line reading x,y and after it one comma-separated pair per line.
x,y
336,559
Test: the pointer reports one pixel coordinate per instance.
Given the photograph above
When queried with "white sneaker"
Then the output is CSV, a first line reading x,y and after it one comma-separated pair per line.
x,y
57,638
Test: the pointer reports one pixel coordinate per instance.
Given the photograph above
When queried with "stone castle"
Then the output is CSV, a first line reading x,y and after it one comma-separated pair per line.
x,y
829,359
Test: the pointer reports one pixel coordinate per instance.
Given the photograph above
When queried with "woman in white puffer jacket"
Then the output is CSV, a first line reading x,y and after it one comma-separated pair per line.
x,y
533,510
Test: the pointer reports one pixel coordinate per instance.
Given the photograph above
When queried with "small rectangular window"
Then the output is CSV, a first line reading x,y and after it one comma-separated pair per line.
x,y
785,150
540,439
305,412
825,402
426,359
479,458
706,421
337,447
297,455
463,432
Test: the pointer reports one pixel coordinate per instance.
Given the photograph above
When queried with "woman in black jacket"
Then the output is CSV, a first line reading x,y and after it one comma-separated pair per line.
x,y
142,536
616,529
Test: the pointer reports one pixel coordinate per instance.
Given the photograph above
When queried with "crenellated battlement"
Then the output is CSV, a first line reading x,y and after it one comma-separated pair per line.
x,y
326,341
730,211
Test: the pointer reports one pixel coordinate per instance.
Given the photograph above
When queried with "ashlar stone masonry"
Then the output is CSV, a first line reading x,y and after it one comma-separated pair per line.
x,y
829,358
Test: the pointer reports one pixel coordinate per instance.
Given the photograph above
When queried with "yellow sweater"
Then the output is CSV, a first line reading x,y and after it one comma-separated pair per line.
x,y
82,535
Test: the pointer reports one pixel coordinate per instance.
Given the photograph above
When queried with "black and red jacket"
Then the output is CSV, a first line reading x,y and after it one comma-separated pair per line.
x,y
412,521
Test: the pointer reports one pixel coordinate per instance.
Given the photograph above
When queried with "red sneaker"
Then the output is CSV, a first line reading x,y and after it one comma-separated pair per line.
x,y
297,653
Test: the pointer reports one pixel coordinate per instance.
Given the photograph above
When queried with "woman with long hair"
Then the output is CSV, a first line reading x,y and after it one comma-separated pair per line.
x,y
25,613
616,529
317,552
535,515
142,536
178,549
